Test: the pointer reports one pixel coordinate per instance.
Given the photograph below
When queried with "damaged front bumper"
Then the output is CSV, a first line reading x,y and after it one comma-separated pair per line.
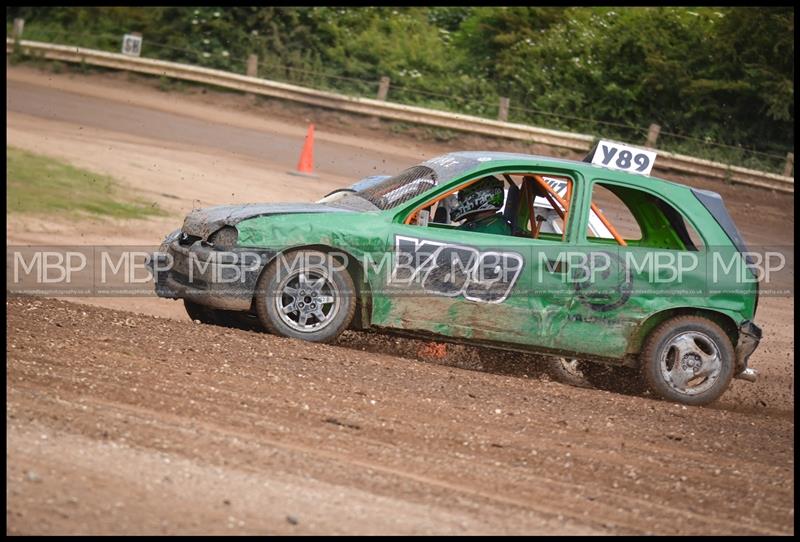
x,y
199,272
749,337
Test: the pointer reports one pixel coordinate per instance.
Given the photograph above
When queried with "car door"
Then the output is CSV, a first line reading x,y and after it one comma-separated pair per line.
x,y
554,257
477,286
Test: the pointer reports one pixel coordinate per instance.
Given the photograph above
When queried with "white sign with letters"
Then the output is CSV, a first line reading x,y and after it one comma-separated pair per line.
x,y
619,156
132,44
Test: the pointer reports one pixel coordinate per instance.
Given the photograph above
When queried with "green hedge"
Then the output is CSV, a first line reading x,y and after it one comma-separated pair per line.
x,y
722,77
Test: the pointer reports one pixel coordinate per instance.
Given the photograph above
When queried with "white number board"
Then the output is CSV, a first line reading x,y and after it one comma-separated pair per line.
x,y
131,45
618,156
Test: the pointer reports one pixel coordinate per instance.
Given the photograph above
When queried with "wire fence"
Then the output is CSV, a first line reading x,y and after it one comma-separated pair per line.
x,y
328,79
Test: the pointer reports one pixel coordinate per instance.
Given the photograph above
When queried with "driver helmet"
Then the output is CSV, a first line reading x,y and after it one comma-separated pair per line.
x,y
484,195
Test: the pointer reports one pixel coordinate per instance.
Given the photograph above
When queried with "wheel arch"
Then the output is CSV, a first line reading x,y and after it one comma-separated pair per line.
x,y
726,322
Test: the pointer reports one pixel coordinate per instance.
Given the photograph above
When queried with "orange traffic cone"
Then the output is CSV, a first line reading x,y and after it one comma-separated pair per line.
x,y
305,166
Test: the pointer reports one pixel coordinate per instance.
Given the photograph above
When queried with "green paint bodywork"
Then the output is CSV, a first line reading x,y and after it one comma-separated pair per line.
x,y
541,312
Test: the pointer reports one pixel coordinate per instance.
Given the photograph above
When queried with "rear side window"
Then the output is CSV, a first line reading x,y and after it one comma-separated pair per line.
x,y
683,229
607,204
624,215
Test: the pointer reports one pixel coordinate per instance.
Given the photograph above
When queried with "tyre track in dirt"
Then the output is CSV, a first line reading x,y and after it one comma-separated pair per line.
x,y
493,453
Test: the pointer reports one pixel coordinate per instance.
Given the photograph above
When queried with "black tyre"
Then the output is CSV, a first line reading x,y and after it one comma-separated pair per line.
x,y
219,317
305,296
586,374
688,360
200,313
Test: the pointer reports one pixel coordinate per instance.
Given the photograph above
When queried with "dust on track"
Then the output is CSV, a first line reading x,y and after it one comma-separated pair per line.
x,y
128,423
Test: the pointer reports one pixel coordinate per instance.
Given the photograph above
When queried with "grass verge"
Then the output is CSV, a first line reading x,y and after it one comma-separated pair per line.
x,y
38,184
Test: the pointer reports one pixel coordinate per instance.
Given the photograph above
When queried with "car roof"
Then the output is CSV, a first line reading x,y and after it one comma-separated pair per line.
x,y
634,178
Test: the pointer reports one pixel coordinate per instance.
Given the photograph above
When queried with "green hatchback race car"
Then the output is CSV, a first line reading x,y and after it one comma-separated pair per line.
x,y
601,268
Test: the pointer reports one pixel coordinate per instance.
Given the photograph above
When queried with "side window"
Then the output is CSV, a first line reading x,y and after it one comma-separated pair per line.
x,y
627,216
608,214
482,205
683,229
530,205
544,206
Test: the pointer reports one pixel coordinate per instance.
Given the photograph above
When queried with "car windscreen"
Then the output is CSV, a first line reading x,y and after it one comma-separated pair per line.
x,y
386,192
391,192
347,199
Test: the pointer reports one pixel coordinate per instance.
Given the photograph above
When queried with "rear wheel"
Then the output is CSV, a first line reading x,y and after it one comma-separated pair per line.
x,y
689,360
306,297
614,378
568,371
585,374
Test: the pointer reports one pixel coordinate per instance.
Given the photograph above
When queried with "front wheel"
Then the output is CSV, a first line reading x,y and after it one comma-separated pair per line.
x,y
305,295
689,360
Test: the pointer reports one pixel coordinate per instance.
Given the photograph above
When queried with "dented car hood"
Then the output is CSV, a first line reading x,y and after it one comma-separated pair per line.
x,y
204,222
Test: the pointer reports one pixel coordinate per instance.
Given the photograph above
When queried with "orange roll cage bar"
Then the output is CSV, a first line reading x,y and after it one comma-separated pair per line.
x,y
550,194
549,191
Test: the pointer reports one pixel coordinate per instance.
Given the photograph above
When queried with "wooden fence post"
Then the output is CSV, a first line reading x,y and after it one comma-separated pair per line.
x,y
383,88
252,66
789,168
652,135
16,33
502,112
19,25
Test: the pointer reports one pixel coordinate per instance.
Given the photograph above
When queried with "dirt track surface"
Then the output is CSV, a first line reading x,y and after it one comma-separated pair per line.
x,y
124,423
